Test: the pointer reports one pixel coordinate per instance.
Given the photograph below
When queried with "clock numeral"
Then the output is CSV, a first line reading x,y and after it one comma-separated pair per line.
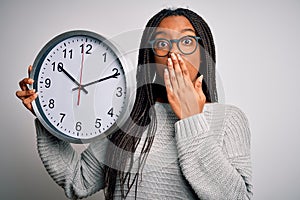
x,y
78,126
62,117
119,92
47,82
51,103
98,123
59,66
110,112
70,53
116,71
88,48
104,57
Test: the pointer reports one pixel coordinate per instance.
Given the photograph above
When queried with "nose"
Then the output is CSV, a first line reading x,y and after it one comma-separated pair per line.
x,y
174,49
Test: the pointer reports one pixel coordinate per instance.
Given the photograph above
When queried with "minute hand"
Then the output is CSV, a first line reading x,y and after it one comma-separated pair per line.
x,y
99,80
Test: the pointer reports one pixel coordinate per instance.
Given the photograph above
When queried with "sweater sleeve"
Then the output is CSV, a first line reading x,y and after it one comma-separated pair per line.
x,y
216,161
80,175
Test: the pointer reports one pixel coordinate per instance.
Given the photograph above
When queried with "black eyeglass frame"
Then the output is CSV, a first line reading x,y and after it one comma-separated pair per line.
x,y
197,38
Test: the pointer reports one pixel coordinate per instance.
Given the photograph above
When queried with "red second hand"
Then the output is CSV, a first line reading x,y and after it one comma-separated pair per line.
x,y
82,60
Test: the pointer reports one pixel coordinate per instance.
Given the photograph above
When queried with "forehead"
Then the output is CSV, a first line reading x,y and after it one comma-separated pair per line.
x,y
175,24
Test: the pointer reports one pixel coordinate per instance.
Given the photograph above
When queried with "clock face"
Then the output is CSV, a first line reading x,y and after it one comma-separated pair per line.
x,y
81,86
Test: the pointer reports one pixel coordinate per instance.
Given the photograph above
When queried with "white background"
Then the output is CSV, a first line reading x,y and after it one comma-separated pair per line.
x,y
257,45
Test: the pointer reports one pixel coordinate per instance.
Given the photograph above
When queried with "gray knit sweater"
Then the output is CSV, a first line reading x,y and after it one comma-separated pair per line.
x,y
205,156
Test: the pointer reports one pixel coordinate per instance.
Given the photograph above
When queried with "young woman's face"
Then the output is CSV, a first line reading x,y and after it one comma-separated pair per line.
x,y
176,27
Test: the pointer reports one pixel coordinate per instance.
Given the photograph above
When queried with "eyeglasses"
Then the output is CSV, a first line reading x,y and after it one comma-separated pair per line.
x,y
186,45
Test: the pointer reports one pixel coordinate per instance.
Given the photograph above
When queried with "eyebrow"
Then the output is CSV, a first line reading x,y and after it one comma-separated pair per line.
x,y
182,31
187,29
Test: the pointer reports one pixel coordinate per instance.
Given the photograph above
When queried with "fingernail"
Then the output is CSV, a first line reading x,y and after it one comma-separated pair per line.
x,y
179,57
173,56
201,78
169,61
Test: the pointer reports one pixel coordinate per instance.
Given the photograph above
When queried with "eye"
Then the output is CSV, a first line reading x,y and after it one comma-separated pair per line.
x,y
187,41
161,44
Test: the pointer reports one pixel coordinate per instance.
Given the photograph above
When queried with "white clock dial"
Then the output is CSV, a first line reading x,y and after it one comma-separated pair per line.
x,y
81,84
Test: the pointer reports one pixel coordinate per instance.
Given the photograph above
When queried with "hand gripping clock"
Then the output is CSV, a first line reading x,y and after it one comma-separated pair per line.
x,y
83,85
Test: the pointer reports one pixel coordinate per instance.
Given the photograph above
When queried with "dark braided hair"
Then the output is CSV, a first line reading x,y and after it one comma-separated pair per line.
x,y
142,117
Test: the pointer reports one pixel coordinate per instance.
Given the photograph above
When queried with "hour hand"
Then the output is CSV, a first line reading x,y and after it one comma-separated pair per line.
x,y
74,80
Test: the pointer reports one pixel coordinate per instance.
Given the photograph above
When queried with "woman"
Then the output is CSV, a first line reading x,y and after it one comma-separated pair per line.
x,y
179,143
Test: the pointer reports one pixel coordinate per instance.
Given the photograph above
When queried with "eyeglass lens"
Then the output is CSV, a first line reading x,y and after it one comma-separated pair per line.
x,y
186,45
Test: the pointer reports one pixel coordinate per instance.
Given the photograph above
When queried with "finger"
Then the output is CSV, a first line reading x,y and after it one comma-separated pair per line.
x,y
23,83
172,75
22,94
177,68
185,71
29,70
198,88
198,85
27,102
167,81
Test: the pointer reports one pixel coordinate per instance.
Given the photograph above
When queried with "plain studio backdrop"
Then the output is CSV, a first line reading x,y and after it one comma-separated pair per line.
x,y
257,44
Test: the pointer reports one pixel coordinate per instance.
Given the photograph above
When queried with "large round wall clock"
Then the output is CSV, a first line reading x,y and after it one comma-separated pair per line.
x,y
82,84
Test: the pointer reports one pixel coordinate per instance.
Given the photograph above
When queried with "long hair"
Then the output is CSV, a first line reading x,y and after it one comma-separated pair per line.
x,y
142,118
